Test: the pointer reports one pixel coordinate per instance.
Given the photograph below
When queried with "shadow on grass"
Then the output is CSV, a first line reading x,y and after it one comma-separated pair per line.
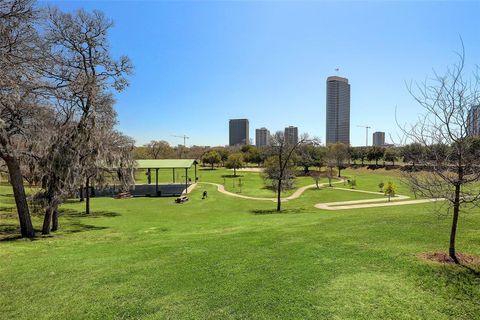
x,y
274,211
70,213
231,176
207,169
77,227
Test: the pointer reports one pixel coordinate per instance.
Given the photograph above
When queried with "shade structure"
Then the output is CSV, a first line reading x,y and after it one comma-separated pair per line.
x,y
173,164
165,163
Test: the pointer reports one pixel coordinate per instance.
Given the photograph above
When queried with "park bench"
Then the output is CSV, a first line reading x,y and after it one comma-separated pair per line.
x,y
181,199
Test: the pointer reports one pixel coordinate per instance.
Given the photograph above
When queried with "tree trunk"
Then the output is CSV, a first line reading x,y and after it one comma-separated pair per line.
x,y
453,231
16,180
47,220
87,196
55,219
212,166
339,171
234,172
279,199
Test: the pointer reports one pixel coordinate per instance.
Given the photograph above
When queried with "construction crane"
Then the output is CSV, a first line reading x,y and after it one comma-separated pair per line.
x,y
184,137
366,133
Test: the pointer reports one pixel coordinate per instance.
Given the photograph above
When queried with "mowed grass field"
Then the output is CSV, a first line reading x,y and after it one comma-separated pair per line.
x,y
232,258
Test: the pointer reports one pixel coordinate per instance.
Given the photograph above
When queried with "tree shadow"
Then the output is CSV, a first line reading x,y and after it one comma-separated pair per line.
x,y
70,213
274,211
77,227
232,176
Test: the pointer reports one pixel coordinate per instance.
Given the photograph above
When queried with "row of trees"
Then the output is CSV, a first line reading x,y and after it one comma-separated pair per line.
x,y
56,106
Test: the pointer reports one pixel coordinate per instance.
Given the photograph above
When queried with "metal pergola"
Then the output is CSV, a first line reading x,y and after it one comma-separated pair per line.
x,y
174,164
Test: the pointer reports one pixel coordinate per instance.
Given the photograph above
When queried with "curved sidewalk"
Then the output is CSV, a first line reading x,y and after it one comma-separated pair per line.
x,y
295,195
339,205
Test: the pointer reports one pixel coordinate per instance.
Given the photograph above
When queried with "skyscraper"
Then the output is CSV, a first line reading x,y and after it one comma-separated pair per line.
x,y
473,121
291,135
378,139
238,132
338,110
262,136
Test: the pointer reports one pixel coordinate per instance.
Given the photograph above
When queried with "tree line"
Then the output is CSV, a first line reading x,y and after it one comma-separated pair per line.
x,y
57,116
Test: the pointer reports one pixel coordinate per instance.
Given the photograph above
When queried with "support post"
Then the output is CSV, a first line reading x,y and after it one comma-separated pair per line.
x,y
195,163
156,181
186,180
173,175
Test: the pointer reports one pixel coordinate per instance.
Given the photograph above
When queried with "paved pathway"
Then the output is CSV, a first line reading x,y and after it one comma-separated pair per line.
x,y
293,196
339,205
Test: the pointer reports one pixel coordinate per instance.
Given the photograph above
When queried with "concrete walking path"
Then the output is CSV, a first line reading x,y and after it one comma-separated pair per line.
x,y
339,205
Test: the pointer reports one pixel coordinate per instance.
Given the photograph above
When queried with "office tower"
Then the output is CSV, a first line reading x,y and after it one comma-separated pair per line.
x,y
262,137
238,132
473,121
338,110
378,139
291,135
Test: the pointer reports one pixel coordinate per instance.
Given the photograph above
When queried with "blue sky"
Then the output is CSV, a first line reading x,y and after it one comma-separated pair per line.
x,y
198,64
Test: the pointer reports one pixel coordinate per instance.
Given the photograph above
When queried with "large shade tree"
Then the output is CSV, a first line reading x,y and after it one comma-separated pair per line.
x,y
84,71
21,84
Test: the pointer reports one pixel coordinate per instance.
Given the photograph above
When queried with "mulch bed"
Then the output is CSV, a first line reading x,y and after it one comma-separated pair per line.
x,y
443,257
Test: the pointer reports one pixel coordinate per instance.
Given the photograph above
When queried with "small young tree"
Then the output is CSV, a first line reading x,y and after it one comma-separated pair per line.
x,y
212,158
445,131
337,154
352,183
281,161
390,190
380,186
316,176
235,161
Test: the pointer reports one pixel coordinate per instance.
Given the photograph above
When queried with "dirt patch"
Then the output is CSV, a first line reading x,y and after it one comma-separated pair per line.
x,y
443,257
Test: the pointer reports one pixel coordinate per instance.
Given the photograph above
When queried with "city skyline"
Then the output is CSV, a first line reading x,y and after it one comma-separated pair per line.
x,y
222,60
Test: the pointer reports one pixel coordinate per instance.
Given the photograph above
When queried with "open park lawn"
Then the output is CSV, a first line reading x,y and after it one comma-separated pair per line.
x,y
232,258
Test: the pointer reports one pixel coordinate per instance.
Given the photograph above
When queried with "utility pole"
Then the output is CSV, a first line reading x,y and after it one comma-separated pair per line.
x,y
366,134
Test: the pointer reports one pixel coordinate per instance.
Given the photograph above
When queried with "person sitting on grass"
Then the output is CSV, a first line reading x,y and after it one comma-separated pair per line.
x,y
205,195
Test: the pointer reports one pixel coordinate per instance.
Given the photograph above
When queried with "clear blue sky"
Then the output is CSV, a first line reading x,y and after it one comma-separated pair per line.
x,y
198,64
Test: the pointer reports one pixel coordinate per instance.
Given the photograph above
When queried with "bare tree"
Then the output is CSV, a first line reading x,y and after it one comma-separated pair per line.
x,y
451,156
282,154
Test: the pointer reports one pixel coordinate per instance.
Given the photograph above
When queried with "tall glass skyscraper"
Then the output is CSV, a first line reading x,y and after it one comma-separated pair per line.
x,y
338,110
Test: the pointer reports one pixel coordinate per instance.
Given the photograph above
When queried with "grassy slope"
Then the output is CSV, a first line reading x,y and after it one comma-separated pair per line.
x,y
219,258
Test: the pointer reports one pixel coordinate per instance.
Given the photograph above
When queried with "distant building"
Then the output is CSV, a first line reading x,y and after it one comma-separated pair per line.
x,y
238,132
379,139
473,122
338,110
291,135
262,137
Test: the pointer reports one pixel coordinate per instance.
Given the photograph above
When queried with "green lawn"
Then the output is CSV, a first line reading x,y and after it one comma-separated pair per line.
x,y
231,258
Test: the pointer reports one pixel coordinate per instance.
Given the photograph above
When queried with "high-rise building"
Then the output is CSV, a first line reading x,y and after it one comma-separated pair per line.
x,y
378,139
262,137
473,121
238,132
338,110
291,135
